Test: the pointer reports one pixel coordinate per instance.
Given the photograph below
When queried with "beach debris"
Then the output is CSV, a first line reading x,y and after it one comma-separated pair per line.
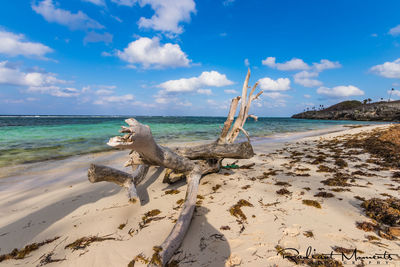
x,y
172,192
84,242
18,254
279,183
225,227
193,162
324,194
366,226
308,234
236,210
311,203
386,211
283,191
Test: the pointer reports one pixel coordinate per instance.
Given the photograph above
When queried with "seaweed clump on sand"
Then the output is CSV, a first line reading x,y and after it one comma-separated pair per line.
x,y
84,242
149,217
383,144
283,191
339,179
324,194
236,210
17,254
386,211
312,203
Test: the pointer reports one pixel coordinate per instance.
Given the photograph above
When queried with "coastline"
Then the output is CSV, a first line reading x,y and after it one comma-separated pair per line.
x,y
38,166
54,198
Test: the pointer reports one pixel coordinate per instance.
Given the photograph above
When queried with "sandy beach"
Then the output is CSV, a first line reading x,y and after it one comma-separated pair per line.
x,y
285,200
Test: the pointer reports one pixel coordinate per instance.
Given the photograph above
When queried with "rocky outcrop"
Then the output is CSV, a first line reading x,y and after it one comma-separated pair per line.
x,y
355,110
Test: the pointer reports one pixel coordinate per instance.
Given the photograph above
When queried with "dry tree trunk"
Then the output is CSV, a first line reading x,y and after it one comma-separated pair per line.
x,y
192,162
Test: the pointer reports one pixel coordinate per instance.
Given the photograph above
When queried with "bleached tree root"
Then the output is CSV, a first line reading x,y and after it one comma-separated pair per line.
x,y
100,173
189,162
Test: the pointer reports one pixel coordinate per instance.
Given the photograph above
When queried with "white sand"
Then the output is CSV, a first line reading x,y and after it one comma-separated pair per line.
x,y
55,199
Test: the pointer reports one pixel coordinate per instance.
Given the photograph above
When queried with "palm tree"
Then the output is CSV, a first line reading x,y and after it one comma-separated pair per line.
x,y
365,101
369,100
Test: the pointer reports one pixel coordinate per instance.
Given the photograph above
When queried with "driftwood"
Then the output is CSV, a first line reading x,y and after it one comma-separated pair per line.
x,y
191,163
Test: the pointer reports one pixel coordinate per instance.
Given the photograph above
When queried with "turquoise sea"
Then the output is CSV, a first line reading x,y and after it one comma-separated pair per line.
x,y
25,139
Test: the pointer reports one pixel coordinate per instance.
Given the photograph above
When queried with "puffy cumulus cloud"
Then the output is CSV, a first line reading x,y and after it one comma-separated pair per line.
x,y
281,84
168,15
388,69
74,21
340,91
293,64
305,78
395,31
231,91
15,45
207,78
204,91
151,54
123,99
94,37
326,64
36,82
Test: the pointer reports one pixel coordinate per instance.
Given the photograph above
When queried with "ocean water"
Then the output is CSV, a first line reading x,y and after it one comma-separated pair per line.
x,y
25,139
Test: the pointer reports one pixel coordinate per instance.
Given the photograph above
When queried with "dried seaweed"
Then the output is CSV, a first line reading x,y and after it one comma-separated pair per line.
x,y
18,254
324,195
283,191
84,242
236,210
312,203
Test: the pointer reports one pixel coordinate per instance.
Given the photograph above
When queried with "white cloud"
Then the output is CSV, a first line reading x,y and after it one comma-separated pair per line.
x,y
304,78
204,91
151,54
74,21
36,82
104,92
167,15
94,37
246,62
123,99
231,91
307,96
275,95
129,3
15,45
207,78
293,64
96,2
340,91
394,92
388,69
326,64
395,31
281,84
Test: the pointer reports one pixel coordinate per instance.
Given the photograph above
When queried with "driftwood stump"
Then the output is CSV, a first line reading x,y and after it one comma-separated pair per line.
x,y
191,163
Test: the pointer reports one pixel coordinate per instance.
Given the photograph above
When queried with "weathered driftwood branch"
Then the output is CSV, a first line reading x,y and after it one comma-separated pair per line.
x,y
190,162
100,173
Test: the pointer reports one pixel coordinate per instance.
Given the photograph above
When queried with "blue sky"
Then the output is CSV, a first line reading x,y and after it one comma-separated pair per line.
x,y
189,57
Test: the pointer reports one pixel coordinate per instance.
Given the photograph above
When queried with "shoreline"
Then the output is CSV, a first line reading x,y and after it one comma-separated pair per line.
x,y
56,199
16,169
